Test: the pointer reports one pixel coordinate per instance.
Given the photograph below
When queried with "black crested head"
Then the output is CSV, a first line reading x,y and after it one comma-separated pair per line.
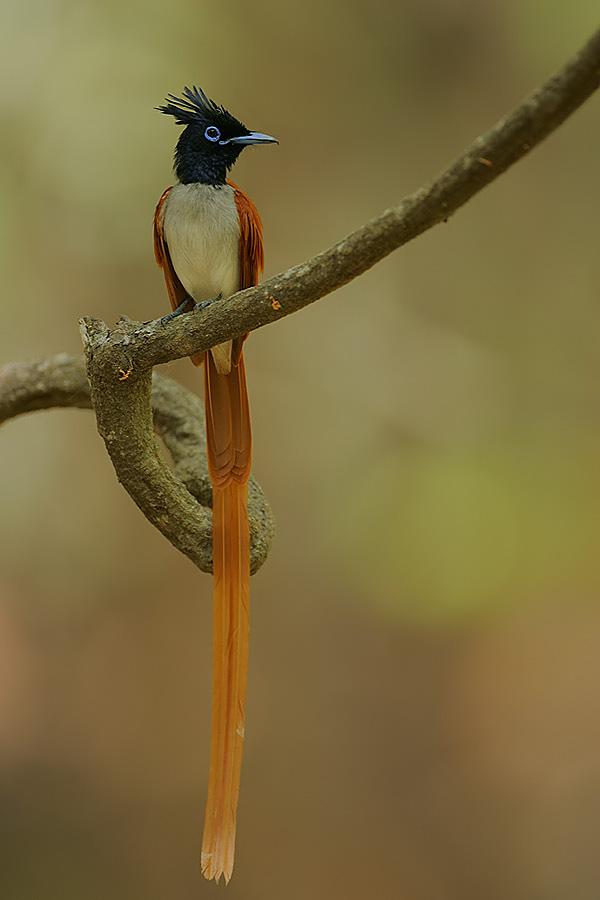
x,y
212,138
199,155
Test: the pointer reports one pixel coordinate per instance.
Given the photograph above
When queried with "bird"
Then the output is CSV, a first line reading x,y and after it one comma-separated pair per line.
x,y
208,242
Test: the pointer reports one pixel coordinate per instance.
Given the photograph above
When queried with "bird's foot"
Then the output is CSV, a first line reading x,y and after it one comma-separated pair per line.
x,y
204,303
188,305
185,306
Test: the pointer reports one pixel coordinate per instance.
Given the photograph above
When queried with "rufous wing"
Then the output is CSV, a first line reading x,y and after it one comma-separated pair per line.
x,y
176,291
252,257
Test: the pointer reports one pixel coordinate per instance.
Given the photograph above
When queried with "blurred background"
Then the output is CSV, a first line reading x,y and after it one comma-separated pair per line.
x,y
424,700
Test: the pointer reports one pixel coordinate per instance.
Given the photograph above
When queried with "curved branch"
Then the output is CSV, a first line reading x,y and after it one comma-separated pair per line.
x,y
61,381
120,361
480,164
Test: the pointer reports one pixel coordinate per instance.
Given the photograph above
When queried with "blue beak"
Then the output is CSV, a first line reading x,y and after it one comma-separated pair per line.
x,y
255,137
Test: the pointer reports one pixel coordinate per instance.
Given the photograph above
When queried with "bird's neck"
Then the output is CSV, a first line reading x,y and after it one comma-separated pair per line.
x,y
192,167
195,172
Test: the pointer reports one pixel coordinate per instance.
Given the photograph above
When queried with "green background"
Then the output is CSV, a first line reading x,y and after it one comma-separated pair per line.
x,y
424,708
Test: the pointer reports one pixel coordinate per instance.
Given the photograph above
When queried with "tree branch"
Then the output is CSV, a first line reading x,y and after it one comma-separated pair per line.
x,y
481,163
61,381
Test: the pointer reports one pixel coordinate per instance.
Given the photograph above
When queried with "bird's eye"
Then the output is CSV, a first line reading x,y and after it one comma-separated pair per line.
x,y
212,133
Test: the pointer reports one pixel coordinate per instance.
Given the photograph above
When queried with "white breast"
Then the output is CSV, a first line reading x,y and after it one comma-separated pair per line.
x,y
202,230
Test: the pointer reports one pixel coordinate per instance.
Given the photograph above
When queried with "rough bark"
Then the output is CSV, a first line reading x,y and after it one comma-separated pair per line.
x,y
177,416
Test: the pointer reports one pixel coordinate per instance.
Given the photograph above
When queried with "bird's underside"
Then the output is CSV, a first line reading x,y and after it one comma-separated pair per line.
x,y
202,231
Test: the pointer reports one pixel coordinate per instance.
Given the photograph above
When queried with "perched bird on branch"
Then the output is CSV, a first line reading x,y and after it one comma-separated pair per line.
x,y
208,242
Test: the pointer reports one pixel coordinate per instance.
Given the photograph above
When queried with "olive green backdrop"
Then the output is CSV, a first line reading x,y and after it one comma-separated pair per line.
x,y
424,707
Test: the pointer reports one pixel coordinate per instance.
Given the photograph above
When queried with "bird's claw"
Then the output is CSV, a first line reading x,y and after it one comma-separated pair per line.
x,y
204,303
185,307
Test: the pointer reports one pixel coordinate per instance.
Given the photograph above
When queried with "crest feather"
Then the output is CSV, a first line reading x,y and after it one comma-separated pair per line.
x,y
192,107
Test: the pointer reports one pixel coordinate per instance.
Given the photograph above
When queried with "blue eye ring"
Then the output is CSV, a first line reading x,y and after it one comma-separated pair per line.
x,y
212,133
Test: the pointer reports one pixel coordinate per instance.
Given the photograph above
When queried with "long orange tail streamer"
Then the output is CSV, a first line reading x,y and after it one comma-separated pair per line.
x,y
229,444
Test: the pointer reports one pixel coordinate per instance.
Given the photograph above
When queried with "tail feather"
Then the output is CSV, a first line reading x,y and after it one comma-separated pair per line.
x,y
229,449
